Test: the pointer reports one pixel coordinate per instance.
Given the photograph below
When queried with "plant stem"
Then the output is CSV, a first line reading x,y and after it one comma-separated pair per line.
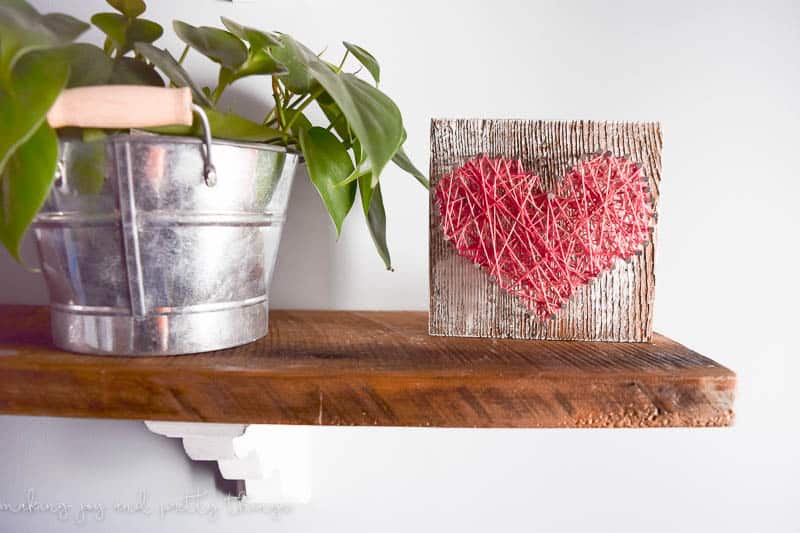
x,y
334,121
276,96
224,80
279,108
108,47
296,112
269,118
183,55
341,65
290,105
217,93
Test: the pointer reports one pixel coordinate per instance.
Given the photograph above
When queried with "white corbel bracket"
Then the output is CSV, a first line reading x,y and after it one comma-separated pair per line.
x,y
274,462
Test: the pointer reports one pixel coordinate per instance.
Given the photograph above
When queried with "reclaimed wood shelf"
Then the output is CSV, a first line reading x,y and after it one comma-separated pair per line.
x,y
365,369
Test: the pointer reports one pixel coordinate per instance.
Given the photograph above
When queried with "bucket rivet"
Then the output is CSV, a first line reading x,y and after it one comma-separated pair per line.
x,y
210,175
60,173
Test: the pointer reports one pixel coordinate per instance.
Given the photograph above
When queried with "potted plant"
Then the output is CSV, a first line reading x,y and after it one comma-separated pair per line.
x,y
153,240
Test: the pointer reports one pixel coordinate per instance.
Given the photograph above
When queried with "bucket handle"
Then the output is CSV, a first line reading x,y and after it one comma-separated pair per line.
x,y
132,106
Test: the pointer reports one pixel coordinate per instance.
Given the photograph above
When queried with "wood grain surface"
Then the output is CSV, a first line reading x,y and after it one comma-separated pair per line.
x,y
365,369
616,306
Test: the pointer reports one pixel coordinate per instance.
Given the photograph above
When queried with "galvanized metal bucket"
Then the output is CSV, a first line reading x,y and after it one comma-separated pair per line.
x,y
144,254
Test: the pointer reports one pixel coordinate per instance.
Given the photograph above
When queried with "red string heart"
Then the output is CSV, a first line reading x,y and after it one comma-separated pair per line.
x,y
541,245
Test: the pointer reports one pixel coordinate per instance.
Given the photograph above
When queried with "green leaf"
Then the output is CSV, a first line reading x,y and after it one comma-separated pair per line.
x,y
67,28
218,45
129,8
124,32
91,135
130,71
259,62
298,124
22,6
372,116
359,172
376,220
89,65
225,126
294,56
257,38
402,160
328,164
24,185
234,127
374,212
23,30
335,116
37,81
366,59
374,119
167,64
87,162
365,189
115,26
143,31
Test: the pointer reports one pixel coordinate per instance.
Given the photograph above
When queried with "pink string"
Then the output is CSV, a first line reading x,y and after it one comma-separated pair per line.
x,y
540,245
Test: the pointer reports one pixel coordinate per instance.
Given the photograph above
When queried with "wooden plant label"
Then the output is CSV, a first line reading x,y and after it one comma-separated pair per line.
x,y
616,305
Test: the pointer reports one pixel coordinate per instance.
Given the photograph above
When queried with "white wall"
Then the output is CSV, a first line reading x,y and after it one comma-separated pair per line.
x,y
722,77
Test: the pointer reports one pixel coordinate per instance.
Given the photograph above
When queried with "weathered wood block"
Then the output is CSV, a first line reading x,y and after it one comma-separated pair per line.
x,y
616,306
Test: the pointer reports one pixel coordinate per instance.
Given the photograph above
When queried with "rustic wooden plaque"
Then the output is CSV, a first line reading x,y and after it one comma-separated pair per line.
x,y
616,306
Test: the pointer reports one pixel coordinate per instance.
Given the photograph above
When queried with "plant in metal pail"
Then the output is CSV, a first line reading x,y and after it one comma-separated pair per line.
x,y
345,156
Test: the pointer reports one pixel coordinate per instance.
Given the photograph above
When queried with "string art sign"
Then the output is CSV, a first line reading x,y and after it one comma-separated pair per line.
x,y
541,245
562,242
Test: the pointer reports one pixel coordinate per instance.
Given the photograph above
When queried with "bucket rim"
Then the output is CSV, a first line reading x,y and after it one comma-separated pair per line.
x,y
152,138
